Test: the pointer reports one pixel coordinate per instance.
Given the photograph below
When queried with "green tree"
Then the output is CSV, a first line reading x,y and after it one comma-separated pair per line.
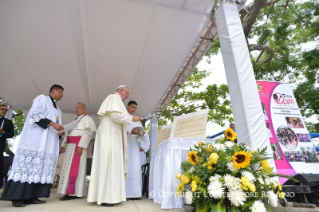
x,y
282,29
18,121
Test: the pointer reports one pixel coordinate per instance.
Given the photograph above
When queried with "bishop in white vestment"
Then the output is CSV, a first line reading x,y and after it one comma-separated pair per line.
x,y
133,182
35,161
75,156
109,166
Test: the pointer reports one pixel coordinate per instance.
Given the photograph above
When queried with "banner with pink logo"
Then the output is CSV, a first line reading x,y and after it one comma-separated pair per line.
x,y
292,148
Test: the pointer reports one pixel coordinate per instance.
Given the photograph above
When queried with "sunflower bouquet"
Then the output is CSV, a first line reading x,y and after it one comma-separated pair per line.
x,y
228,177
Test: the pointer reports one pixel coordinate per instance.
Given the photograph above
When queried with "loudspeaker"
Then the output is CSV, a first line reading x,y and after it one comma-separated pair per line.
x,y
312,180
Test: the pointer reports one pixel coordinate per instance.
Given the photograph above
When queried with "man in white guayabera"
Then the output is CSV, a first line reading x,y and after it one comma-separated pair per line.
x,y
72,180
35,162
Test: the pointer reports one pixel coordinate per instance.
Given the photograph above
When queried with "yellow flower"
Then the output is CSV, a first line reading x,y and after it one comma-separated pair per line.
x,y
279,187
178,176
194,186
252,187
282,195
209,148
209,167
244,187
192,157
200,143
213,157
230,134
241,159
185,179
264,164
245,181
178,189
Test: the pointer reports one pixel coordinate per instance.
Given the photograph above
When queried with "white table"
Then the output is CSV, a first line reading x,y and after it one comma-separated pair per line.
x,y
166,161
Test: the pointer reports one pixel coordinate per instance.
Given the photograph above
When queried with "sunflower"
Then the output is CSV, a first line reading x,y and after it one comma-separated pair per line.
x,y
241,159
192,157
230,134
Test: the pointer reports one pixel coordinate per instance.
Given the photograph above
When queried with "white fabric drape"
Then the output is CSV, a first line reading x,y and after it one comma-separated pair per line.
x,y
153,134
165,164
245,101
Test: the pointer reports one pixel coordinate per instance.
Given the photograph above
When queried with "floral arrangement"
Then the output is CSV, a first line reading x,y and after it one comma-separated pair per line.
x,y
228,177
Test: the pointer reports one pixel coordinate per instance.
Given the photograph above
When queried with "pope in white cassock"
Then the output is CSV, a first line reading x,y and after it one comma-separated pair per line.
x,y
109,166
35,161
133,183
73,175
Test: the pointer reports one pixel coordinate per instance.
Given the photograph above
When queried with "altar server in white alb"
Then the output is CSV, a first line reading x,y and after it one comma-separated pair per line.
x,y
73,175
109,167
35,161
133,182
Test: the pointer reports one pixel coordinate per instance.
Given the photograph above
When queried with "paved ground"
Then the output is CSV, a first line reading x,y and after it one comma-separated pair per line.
x,y
53,204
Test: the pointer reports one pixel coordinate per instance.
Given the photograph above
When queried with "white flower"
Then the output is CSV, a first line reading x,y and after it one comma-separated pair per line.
x,y
249,175
229,144
215,189
188,197
216,177
273,199
229,180
261,180
221,147
248,148
267,181
237,197
236,184
258,206
231,166
191,170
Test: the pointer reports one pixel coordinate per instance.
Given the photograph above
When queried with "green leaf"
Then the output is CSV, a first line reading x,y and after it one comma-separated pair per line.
x,y
233,209
268,206
218,207
236,148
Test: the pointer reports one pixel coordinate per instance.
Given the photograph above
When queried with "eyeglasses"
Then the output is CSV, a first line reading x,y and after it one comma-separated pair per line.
x,y
60,92
4,109
126,92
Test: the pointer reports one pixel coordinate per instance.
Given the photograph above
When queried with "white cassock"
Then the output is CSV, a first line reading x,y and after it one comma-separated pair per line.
x,y
133,182
145,144
109,166
37,154
85,128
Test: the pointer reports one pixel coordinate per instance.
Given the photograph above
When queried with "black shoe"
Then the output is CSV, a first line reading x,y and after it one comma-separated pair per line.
x,y
18,203
135,198
34,201
67,197
107,205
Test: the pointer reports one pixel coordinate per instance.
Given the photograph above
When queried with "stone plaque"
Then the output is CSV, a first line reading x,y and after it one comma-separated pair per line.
x,y
164,134
192,125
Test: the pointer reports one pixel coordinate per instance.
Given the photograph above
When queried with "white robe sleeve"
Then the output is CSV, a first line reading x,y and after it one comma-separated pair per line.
x,y
85,139
145,142
121,118
38,109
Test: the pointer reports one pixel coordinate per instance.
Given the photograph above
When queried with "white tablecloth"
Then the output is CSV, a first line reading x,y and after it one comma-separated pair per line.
x,y
165,163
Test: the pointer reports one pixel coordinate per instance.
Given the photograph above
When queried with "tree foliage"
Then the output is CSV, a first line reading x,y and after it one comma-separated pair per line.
x,y
18,121
286,48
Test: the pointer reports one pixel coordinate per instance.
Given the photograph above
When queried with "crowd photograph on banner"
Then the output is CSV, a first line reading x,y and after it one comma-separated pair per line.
x,y
294,156
303,137
309,154
287,137
294,122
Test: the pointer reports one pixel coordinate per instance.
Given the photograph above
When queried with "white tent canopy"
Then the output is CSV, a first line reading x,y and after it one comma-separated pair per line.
x,y
92,46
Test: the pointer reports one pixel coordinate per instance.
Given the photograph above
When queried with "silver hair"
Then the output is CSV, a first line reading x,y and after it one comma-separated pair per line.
x,y
82,104
121,86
